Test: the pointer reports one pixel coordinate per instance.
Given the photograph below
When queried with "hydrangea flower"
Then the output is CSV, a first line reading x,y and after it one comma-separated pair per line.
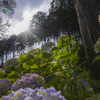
x,y
47,46
63,37
11,62
36,94
5,86
29,80
33,52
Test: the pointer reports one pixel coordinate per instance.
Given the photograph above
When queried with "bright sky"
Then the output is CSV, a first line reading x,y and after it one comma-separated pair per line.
x,y
21,23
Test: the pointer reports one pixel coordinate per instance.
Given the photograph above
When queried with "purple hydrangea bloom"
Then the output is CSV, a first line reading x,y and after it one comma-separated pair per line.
x,y
29,80
5,86
11,62
85,84
36,94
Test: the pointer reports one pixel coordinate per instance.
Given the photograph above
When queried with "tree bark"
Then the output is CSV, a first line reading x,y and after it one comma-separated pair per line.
x,y
87,13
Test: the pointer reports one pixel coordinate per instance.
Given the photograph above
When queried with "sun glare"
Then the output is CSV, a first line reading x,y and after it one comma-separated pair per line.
x,y
22,26
27,16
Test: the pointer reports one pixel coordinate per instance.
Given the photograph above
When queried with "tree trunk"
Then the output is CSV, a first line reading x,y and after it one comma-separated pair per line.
x,y
87,13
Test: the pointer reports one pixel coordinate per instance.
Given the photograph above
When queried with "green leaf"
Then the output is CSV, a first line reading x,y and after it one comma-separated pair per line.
x,y
1,74
66,87
39,60
29,63
25,66
66,57
59,74
95,83
96,58
13,75
26,59
83,63
75,49
95,97
34,66
72,37
46,55
11,68
21,58
54,68
38,50
55,48
58,57
54,80
98,98
21,68
46,70
78,68
61,43
30,57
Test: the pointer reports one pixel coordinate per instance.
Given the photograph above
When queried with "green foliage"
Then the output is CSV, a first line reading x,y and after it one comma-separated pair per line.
x,y
97,46
58,67
95,97
97,49
96,58
95,83
1,74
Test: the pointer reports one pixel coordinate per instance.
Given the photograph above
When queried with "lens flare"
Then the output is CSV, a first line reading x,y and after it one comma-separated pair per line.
x,y
29,31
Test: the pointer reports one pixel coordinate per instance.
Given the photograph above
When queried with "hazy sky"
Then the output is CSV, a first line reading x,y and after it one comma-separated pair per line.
x,y
24,12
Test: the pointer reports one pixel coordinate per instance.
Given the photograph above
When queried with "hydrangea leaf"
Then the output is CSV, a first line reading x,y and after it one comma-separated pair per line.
x,y
46,55
1,74
54,80
59,74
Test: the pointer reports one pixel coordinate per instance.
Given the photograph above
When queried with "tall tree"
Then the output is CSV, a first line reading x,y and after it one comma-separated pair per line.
x,y
38,25
24,39
3,27
62,18
2,48
87,13
12,44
